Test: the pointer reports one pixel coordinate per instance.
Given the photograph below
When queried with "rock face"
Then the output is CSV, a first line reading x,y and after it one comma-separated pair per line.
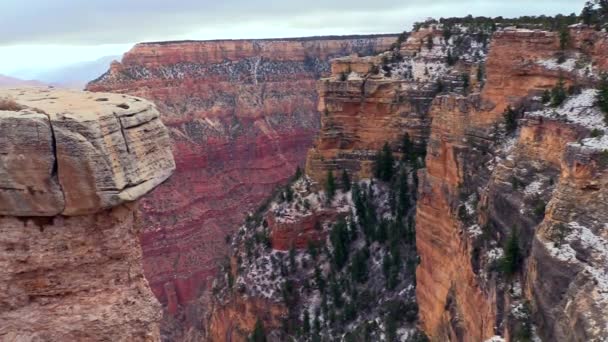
x,y
481,187
241,115
72,164
484,184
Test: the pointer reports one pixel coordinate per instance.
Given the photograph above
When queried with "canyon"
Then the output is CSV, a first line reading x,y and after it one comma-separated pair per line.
x,y
510,217
241,115
73,166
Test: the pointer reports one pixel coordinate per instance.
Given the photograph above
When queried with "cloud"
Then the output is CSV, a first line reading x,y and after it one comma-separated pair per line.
x,y
94,22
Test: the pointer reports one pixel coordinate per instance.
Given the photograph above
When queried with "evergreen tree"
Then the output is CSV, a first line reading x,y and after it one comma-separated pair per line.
x,y
319,279
466,82
480,73
306,323
451,60
602,96
339,238
558,93
546,98
407,148
298,173
510,117
429,42
345,181
359,267
258,334
512,259
292,259
312,249
564,38
588,13
330,186
384,163
381,233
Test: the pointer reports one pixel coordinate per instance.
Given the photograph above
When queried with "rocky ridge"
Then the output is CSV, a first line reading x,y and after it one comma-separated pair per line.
x,y
73,165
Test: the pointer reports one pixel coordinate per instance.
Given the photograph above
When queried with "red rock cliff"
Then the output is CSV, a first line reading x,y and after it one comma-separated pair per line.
x,y
242,115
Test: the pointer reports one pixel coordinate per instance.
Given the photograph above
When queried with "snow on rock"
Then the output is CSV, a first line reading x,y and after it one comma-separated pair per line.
x,y
576,65
595,266
579,109
495,339
474,230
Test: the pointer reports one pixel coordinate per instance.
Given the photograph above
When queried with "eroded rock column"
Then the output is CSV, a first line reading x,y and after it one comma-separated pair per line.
x,y
72,166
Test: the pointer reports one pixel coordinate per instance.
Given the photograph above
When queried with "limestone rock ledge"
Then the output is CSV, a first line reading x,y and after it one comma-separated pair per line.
x,y
72,165
75,153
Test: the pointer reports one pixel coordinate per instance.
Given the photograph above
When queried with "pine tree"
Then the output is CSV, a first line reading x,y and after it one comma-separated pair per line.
x,y
546,98
511,260
339,238
480,73
407,148
429,42
306,322
384,163
588,13
330,186
558,93
602,96
298,173
258,335
345,181
564,38
466,82
292,259
510,117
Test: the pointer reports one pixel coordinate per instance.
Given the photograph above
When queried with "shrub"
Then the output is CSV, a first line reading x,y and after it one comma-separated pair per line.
x,y
343,77
596,133
10,105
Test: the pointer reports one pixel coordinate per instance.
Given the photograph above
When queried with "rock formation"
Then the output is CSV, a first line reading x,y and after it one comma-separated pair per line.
x,y
486,184
241,115
72,165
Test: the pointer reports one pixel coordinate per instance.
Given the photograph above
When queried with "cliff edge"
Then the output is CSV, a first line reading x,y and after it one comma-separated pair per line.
x,y
72,166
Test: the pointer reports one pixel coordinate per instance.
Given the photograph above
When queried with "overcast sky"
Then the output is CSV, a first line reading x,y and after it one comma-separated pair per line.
x,y
42,34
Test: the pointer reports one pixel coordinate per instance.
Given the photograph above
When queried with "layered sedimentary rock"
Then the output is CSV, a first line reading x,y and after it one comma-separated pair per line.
x,y
242,115
72,165
486,183
481,187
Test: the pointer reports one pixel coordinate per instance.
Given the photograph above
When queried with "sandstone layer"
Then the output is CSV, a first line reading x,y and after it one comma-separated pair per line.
x,y
241,116
73,165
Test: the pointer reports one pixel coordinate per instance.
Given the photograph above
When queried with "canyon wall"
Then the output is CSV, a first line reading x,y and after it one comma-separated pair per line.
x,y
241,115
485,183
72,166
483,186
